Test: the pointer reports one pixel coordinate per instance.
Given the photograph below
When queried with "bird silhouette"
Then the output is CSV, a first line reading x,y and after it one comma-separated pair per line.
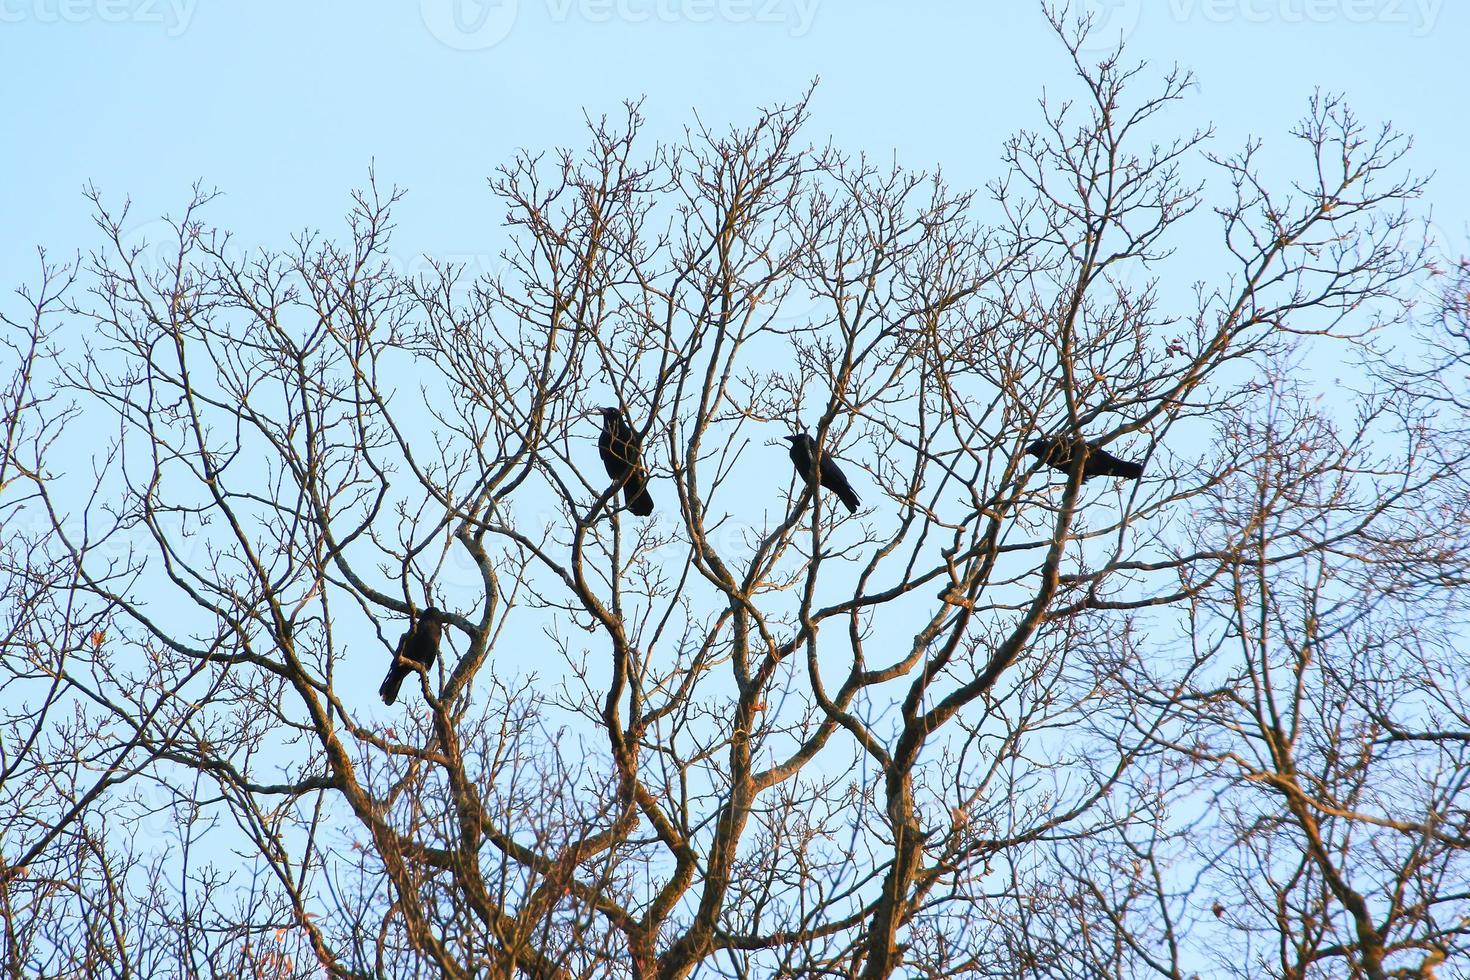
x,y
1057,452
803,447
622,456
419,644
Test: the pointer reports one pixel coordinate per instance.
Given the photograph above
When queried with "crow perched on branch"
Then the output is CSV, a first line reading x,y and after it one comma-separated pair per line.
x,y
622,456
803,447
419,644
1056,452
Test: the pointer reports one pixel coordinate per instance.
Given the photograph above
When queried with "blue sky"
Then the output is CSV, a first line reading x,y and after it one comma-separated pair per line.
x,y
284,105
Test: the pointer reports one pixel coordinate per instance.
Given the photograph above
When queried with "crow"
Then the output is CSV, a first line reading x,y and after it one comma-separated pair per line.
x,y
1056,452
802,448
419,644
622,457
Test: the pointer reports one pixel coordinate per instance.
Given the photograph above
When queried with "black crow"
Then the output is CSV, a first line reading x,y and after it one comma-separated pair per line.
x,y
802,449
420,645
1056,452
623,459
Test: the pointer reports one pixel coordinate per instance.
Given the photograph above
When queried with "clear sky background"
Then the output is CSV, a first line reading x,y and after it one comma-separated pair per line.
x,y
283,105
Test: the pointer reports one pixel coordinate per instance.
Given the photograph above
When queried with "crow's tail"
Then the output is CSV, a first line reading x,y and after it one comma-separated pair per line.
x,y
636,495
1127,470
389,691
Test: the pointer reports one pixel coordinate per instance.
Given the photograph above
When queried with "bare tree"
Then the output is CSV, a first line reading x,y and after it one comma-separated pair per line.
x,y
1001,721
